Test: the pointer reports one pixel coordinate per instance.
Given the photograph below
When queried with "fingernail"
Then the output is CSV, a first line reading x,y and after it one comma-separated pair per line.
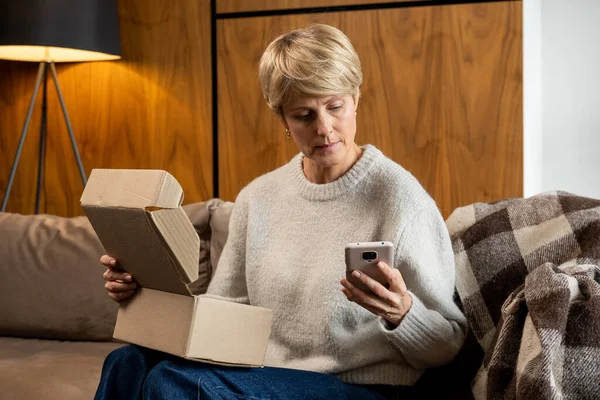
x,y
128,277
380,265
356,274
113,262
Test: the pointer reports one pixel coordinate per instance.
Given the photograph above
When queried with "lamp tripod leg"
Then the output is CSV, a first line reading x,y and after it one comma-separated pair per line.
x,y
13,170
42,147
69,128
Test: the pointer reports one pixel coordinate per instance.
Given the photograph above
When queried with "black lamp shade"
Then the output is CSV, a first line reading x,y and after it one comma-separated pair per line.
x,y
59,30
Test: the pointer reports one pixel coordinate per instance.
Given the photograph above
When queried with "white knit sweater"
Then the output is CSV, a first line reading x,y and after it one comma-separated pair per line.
x,y
285,251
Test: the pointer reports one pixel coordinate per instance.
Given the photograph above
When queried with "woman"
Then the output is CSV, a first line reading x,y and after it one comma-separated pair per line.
x,y
285,251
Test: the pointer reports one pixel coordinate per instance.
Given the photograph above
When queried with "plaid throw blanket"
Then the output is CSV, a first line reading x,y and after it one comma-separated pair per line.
x,y
528,278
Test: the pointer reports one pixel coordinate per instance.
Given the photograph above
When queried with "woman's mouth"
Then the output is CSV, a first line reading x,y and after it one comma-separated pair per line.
x,y
327,147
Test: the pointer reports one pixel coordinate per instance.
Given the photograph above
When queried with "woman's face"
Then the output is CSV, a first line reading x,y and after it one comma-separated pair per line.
x,y
323,128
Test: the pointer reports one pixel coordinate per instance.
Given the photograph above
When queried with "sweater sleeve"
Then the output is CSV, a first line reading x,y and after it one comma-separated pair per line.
x,y
433,330
229,280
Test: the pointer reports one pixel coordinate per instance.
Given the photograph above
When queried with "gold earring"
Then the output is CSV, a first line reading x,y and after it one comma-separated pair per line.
x,y
287,133
355,113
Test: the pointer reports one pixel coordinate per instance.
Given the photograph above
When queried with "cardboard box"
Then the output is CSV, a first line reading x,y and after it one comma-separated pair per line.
x,y
137,216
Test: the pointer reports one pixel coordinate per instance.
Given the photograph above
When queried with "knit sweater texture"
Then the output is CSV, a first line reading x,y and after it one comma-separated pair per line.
x,y
285,251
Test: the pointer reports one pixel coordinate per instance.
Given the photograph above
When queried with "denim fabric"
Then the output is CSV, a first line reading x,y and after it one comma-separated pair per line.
x,y
133,372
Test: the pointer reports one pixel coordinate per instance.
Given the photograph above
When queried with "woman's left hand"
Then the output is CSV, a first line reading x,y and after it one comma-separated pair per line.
x,y
391,304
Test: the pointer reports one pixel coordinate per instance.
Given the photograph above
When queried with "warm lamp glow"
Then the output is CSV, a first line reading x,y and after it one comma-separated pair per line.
x,y
56,54
59,30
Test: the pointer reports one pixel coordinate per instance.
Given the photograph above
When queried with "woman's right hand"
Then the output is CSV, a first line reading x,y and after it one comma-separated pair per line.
x,y
120,285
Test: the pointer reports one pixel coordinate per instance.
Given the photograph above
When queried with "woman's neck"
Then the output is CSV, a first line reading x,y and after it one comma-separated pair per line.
x,y
321,175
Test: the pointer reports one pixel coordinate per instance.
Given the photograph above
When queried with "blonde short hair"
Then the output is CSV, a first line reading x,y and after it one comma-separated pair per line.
x,y
317,60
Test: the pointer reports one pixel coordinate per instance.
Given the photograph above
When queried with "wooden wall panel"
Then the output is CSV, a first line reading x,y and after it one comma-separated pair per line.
x,y
442,96
152,109
230,6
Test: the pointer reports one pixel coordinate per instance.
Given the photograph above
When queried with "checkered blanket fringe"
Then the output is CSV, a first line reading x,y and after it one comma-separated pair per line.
x,y
528,278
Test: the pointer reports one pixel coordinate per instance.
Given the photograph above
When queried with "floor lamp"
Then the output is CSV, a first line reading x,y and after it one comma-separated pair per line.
x,y
49,31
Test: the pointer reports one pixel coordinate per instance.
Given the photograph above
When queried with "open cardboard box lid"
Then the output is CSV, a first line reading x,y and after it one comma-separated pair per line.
x,y
138,218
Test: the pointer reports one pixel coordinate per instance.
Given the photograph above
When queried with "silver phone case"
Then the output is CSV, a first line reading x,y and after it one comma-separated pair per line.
x,y
355,261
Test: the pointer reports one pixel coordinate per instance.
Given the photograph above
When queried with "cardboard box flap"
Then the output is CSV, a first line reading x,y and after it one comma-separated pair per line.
x,y
158,246
132,188
229,333
181,239
155,319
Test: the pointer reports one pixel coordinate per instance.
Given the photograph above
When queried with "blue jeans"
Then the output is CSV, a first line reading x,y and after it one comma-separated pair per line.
x,y
133,372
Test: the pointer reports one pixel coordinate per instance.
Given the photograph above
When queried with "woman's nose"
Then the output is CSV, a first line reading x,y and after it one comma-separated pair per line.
x,y
323,126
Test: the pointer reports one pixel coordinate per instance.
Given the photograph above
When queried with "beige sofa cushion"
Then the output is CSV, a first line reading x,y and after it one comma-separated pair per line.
x,y
219,226
201,214
51,369
51,283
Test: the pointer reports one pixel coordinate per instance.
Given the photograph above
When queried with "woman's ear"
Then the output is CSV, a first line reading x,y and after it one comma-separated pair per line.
x,y
282,120
356,98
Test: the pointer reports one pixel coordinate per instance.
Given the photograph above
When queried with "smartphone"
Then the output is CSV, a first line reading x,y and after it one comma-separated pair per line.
x,y
364,258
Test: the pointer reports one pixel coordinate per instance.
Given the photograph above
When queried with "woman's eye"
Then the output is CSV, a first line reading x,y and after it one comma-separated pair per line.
x,y
303,116
335,108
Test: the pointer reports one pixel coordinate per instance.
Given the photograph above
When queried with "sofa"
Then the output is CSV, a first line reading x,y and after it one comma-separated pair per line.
x,y
56,321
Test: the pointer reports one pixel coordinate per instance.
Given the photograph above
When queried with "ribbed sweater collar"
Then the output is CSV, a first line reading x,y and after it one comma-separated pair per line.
x,y
328,191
